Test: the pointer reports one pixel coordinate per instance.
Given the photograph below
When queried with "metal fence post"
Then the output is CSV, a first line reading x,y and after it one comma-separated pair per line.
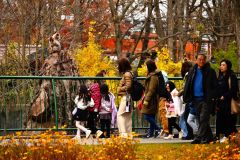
x,y
133,116
55,104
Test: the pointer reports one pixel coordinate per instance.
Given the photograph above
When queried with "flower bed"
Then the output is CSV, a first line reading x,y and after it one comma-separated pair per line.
x,y
57,145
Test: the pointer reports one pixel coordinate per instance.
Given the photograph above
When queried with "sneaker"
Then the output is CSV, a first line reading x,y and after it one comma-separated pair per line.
x,y
123,135
206,141
76,137
157,133
170,136
148,136
216,138
187,138
88,132
196,141
180,135
161,133
164,135
98,133
224,139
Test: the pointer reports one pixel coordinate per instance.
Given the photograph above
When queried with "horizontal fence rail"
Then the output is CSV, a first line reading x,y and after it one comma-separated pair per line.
x,y
17,94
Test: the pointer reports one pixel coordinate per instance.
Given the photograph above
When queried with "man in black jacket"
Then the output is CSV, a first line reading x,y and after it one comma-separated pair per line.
x,y
200,90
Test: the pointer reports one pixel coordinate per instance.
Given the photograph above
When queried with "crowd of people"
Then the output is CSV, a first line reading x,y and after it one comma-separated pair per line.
x,y
187,109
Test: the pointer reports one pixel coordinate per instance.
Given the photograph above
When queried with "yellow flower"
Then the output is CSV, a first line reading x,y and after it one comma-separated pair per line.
x,y
18,133
160,157
92,22
64,126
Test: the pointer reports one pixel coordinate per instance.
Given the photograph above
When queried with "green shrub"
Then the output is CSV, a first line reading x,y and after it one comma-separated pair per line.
x,y
230,54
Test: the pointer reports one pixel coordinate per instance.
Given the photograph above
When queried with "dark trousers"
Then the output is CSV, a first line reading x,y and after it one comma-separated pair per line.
x,y
105,126
153,125
225,122
186,113
172,123
91,122
203,116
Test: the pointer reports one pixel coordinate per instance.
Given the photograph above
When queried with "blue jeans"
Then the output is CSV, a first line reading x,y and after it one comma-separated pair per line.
x,y
183,125
186,114
153,125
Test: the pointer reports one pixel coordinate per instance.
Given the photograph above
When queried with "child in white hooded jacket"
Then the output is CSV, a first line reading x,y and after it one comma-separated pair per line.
x,y
80,113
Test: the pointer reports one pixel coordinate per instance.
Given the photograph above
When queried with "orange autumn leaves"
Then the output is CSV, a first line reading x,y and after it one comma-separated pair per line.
x,y
53,145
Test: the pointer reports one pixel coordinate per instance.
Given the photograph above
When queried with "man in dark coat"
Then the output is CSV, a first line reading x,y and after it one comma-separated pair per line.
x,y
200,89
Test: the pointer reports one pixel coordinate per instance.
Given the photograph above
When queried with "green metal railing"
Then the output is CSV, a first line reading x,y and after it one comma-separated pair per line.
x,y
17,93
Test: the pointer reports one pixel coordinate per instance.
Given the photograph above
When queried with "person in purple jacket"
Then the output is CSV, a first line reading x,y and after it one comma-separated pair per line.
x,y
108,111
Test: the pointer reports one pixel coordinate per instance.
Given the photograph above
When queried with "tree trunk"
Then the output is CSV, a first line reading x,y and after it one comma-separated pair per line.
x,y
118,39
180,6
159,22
237,29
170,27
185,37
147,28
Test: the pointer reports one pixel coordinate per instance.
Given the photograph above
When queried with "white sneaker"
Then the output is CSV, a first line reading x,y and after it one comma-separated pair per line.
x,y
180,135
98,133
88,133
164,135
224,139
76,137
170,136
161,133
123,135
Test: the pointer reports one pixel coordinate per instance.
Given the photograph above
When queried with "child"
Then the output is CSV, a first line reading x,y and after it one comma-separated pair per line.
x,y
107,110
172,110
94,111
80,114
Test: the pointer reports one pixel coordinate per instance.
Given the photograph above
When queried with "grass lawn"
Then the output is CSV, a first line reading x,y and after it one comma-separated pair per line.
x,y
171,151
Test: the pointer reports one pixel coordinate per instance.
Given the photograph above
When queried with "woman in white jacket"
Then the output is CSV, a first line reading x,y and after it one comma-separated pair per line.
x,y
80,113
173,109
179,110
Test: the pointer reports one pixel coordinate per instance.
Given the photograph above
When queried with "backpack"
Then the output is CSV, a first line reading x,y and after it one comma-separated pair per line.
x,y
161,91
137,89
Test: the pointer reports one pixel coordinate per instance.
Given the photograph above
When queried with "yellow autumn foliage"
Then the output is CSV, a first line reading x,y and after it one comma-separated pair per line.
x,y
164,63
10,62
90,59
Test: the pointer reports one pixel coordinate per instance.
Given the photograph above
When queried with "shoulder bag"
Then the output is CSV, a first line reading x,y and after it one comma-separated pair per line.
x,y
235,103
